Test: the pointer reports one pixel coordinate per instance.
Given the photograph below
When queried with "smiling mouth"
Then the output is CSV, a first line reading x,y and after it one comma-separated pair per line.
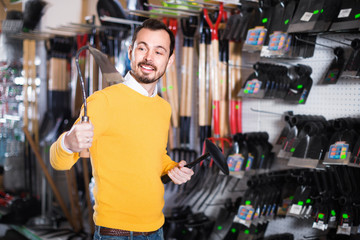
x,y
147,67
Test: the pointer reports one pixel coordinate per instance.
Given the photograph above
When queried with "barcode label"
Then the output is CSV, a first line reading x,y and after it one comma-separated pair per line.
x,y
306,17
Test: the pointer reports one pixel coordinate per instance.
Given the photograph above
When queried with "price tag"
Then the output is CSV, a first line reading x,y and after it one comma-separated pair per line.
x,y
344,230
231,1
306,17
344,13
320,225
295,209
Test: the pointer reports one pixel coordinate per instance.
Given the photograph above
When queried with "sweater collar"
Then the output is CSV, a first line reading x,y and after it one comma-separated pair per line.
x,y
130,81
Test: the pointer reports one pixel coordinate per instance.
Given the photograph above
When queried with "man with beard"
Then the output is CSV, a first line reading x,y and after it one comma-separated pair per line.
x,y
127,139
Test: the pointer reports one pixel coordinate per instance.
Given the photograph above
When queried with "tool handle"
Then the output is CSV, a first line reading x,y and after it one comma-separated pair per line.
x,y
233,117
202,84
165,178
238,115
216,117
85,153
184,81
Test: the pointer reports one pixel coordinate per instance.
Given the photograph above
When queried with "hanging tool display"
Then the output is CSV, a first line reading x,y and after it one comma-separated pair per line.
x,y
172,80
234,32
292,84
58,114
279,40
189,27
204,83
214,57
352,64
336,67
224,82
111,8
257,34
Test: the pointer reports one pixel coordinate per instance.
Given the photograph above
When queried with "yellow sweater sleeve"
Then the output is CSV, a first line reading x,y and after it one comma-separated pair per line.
x,y
59,158
167,163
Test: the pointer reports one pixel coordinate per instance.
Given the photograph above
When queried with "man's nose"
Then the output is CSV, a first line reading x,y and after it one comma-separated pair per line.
x,y
149,56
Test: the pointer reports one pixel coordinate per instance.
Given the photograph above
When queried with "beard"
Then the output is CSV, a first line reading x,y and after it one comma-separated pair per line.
x,y
142,78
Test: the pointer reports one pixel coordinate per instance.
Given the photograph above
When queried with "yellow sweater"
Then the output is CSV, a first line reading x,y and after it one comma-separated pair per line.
x,y
128,157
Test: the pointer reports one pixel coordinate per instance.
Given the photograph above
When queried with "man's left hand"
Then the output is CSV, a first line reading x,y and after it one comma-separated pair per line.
x,y
180,174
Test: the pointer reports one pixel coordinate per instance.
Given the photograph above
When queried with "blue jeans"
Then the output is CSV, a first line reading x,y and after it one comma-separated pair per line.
x,y
158,235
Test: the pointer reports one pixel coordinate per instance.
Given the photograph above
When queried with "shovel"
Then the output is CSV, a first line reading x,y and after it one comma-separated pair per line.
x,y
204,85
189,27
214,56
212,152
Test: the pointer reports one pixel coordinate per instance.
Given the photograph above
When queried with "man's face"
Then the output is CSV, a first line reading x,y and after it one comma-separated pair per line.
x,y
150,55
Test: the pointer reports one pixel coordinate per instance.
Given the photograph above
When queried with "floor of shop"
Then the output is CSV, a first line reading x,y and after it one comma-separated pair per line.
x,y
41,232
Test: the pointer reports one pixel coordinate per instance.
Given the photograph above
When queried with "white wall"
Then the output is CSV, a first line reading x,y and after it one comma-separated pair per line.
x,y
61,12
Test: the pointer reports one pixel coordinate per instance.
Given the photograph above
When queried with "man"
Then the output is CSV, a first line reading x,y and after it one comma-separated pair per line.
x,y
127,138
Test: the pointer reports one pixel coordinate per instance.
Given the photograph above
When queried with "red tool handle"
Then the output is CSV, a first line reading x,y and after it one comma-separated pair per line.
x,y
214,27
238,114
233,125
216,117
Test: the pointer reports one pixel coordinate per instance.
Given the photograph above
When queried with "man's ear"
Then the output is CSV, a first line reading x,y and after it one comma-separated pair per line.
x,y
129,52
171,60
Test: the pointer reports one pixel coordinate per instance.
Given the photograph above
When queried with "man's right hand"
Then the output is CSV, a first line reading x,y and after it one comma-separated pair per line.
x,y
79,137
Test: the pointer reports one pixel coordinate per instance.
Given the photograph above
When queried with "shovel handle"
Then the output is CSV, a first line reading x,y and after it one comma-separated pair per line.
x,y
165,178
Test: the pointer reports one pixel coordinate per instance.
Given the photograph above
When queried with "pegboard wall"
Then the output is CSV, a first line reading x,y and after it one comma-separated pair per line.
x,y
332,101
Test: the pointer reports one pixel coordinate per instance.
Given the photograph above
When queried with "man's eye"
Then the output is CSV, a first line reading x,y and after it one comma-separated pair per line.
x,y
159,53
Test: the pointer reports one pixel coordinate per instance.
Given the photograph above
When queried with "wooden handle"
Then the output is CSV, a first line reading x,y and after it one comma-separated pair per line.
x,y
48,177
223,98
209,90
172,92
189,73
238,84
202,84
26,78
216,86
184,82
166,96
232,68
34,104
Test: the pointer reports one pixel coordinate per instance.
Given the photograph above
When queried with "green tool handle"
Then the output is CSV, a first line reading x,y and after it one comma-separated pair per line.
x,y
166,179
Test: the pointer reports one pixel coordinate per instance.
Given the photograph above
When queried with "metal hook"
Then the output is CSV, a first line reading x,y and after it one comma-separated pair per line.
x,y
335,41
161,13
262,111
314,236
172,8
313,43
206,5
119,20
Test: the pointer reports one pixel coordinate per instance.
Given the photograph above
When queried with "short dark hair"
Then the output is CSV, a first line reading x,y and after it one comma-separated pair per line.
x,y
154,24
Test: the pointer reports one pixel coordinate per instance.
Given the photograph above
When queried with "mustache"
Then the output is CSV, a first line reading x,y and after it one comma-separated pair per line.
x,y
147,63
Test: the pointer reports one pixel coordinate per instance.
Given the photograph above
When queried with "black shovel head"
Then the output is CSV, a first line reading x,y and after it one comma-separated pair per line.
x,y
217,156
